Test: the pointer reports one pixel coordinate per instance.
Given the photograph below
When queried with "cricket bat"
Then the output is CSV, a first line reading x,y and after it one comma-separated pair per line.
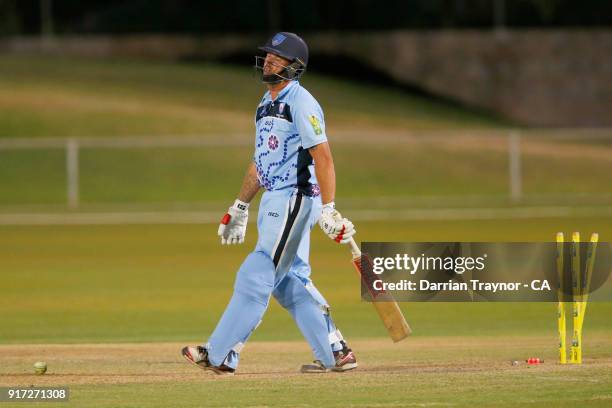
x,y
386,307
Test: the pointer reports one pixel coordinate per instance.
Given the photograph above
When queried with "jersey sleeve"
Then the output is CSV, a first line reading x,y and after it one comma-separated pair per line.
x,y
309,121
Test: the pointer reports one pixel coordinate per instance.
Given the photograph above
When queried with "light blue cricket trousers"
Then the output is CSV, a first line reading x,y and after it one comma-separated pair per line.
x,y
278,266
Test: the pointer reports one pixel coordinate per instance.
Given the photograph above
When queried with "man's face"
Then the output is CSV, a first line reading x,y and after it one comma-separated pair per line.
x,y
273,64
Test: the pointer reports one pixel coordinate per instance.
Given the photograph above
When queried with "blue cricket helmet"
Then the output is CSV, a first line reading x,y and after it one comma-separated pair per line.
x,y
291,47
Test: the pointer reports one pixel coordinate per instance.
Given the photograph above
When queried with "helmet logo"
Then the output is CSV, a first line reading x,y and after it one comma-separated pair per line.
x,y
277,39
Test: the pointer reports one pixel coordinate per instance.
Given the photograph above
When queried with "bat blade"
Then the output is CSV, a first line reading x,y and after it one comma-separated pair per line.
x,y
386,307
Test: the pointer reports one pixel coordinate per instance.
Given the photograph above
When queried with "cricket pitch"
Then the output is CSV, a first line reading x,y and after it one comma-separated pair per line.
x,y
427,371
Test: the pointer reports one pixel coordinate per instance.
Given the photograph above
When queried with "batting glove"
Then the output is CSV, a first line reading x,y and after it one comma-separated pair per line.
x,y
234,223
334,225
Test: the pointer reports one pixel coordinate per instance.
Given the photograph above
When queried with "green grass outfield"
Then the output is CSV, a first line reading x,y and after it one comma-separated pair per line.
x,y
367,126
169,283
61,97
140,283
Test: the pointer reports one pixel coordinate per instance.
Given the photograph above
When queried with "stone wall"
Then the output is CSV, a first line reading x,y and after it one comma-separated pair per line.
x,y
535,77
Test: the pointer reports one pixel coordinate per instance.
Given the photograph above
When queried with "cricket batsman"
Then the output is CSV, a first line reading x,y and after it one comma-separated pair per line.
x,y
293,164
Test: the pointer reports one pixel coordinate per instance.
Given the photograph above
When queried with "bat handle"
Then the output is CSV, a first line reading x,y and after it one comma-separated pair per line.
x,y
354,248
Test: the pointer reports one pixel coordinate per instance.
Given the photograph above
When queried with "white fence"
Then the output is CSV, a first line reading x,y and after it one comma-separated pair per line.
x,y
72,147
514,146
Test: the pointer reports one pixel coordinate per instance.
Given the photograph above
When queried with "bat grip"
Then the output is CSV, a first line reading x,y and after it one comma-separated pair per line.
x,y
354,248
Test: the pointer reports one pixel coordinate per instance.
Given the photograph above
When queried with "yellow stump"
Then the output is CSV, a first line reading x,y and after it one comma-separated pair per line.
x,y
576,349
580,283
561,305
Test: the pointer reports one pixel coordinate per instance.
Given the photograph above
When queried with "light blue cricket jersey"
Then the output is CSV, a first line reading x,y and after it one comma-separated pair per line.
x,y
285,129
